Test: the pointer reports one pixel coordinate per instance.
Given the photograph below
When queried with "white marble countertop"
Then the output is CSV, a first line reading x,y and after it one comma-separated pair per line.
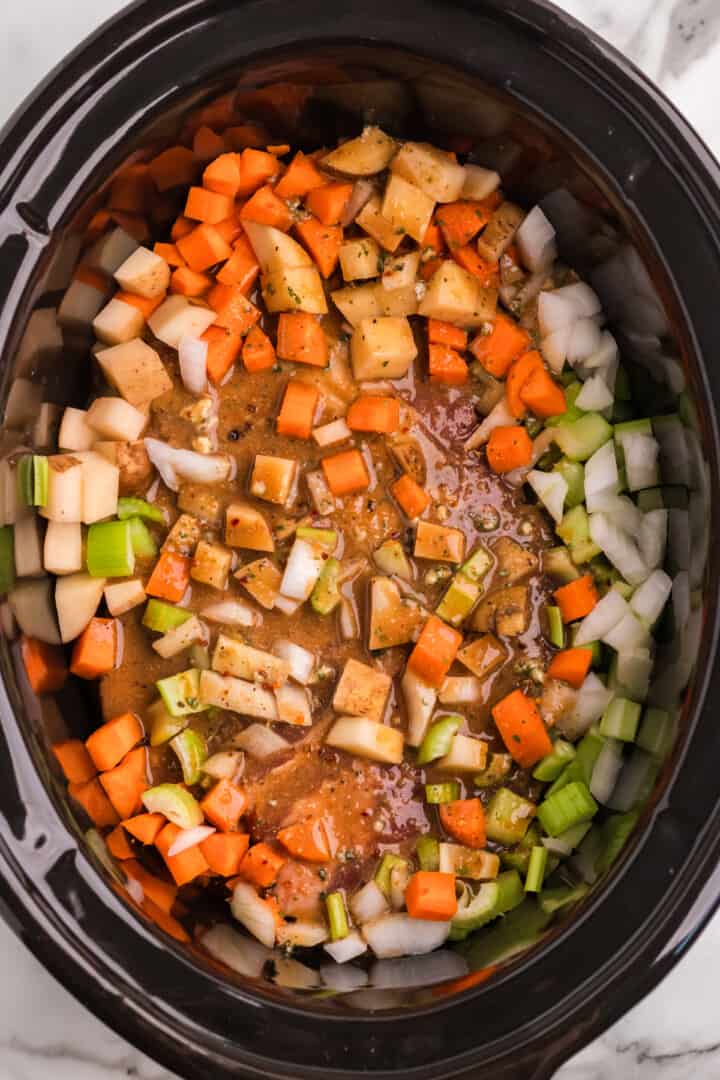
x,y
675,1033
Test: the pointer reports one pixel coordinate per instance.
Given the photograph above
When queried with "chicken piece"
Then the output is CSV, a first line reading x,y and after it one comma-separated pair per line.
x,y
362,691
506,611
514,562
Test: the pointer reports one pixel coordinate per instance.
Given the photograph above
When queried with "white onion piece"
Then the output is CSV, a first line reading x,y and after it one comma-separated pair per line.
x,y
362,192
556,312
650,598
347,948
174,464
192,353
225,765
554,348
584,299
592,700
620,549
301,661
595,395
231,613
601,474
633,670
254,914
551,489
344,979
641,461
629,633
301,571
653,537
400,935
410,973
606,770
535,240
499,416
188,838
286,605
460,690
621,511
331,434
606,614
368,903
260,741
161,456
584,341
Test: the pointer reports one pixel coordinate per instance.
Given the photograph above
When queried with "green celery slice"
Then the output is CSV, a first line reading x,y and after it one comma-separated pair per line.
x,y
579,439
7,559
191,751
436,794
181,693
337,916
326,595
508,816
382,875
570,806
143,544
620,720
427,849
438,740
536,869
458,601
129,507
556,626
325,539
40,480
551,766
176,803
559,896
110,550
161,616
476,567
573,472
656,732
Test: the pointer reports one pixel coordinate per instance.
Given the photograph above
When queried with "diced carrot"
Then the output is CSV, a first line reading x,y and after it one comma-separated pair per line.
x,y
328,202
571,665
434,651
428,268
577,598
94,802
44,665
162,893
166,922
256,168
207,144
224,852
170,577
447,366
181,227
301,176
413,500
242,267
92,278
542,395
174,167
297,411
234,311
433,238
301,338
261,865
522,729
223,175
258,352
505,343
231,228
444,333
431,895
169,253
485,270
119,845
464,819
518,374
186,866
144,827
131,190
125,783
223,348
95,651
241,136
109,744
461,221
323,242
189,282
372,412
265,208
346,472
145,304
279,149
306,840
224,805
203,247
74,760
509,447
133,224
208,206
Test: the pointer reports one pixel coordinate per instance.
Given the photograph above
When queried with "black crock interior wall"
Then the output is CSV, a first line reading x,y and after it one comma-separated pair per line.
x,y
200,1007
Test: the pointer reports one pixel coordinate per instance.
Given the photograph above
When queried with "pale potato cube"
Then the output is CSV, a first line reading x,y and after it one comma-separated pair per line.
x,y
100,487
75,432
124,595
234,657
201,501
27,545
366,738
65,488
62,551
275,250
118,322
466,755
261,579
177,318
406,207
401,271
360,259
273,479
454,295
366,155
211,565
298,289
394,619
144,273
362,691
439,542
479,182
382,348
80,304
293,705
179,638
434,171
226,692
115,418
77,597
483,656
498,234
136,371
245,527
111,251
132,461
358,303
184,535
403,301
372,220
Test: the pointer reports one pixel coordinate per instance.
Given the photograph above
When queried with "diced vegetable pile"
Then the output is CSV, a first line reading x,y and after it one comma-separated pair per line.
x,y
373,594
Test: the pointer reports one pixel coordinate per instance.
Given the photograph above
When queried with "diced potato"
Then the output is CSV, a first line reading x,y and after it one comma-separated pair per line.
x,y
80,304
514,561
460,690
483,656
407,207
479,182
111,251
497,236
371,219
124,595
272,479
293,705
504,610
261,579
211,565
233,657
65,488
115,418
382,348
136,371
77,598
192,632
466,755
420,700
366,155
200,501
332,434
245,527
468,862
62,553
28,548
299,289
118,322
402,301
433,171
75,432
454,295
439,543
394,620
365,738
226,692
401,271
132,461
362,691
358,303
275,250
390,557
144,273
360,259
100,487
177,318
184,535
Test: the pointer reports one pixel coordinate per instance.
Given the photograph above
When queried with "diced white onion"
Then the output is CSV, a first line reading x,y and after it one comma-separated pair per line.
x,y
188,838
225,765
535,240
595,395
679,537
410,973
399,881
238,952
301,571
174,465
398,934
301,661
499,416
556,312
641,457
650,598
606,770
621,511
601,475
584,340
584,299
554,347
629,633
460,690
620,549
551,488
420,702
347,948
633,670
254,914
192,354
286,605
260,741
606,614
231,613
592,700
368,903
181,637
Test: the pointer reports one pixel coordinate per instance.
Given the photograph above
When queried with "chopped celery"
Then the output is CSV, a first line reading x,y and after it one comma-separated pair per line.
x,y
536,869
633,427
326,596
128,507
579,439
620,720
24,477
508,816
533,426
143,544
7,559
477,566
163,726
574,529
656,732
521,928
566,842
556,626
551,766
390,557
427,849
614,833
573,472
558,565
510,891
337,916
559,896
181,693
32,480
176,803
518,856
493,898
567,807
498,768
162,617
110,550
385,869
458,601
572,412
325,539
442,793
594,646
438,740
191,752
587,751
